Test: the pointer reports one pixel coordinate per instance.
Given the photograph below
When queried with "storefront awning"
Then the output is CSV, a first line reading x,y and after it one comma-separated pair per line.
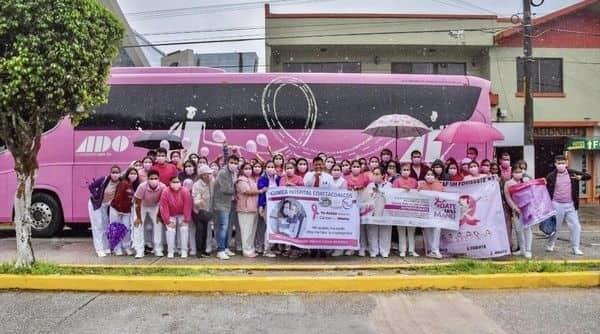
x,y
587,144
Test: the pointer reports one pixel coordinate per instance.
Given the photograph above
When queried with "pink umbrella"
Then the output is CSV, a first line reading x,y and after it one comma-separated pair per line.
x,y
469,132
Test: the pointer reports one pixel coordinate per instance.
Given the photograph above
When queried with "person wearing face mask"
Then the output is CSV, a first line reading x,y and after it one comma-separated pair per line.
x,y
290,179
146,167
257,171
346,167
523,165
464,167
247,193
373,163
432,235
385,157
438,170
224,193
215,168
329,162
563,186
363,165
278,161
301,167
406,181
339,182
202,215
188,176
494,169
524,233
417,168
473,171
318,178
505,170
146,227
379,236
176,212
391,171
484,169
102,192
453,173
357,181
472,153
120,208
175,159
166,170
270,179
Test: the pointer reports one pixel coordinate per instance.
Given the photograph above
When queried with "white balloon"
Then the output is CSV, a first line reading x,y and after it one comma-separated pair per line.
x,y
165,144
262,140
218,136
186,143
204,151
251,146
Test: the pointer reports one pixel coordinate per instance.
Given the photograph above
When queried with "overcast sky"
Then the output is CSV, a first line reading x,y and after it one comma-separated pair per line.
x,y
171,21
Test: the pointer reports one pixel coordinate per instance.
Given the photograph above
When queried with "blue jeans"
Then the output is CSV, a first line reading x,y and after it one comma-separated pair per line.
x,y
223,229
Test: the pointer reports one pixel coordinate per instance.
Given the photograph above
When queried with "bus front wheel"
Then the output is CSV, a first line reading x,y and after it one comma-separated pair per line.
x,y
46,215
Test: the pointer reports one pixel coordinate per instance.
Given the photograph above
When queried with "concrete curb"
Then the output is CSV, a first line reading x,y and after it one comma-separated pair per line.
x,y
297,284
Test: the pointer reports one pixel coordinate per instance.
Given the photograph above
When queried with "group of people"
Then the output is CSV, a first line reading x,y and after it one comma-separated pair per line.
x,y
164,198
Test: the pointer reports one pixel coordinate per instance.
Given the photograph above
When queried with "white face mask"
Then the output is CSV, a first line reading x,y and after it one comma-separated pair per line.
x,y
302,168
429,178
189,170
132,178
561,167
257,171
474,170
373,165
278,162
416,161
176,186
452,171
147,166
161,160
336,174
386,157
233,167
153,183
517,176
328,165
247,172
345,169
215,169
405,173
438,170
270,171
290,172
115,176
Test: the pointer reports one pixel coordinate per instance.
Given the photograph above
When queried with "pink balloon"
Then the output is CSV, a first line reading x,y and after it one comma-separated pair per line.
x,y
204,151
218,136
186,143
251,146
262,140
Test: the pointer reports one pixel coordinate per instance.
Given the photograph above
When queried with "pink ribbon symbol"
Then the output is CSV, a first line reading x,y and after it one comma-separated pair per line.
x,y
315,211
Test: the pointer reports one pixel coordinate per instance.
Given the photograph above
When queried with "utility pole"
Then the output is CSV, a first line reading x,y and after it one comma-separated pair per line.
x,y
528,146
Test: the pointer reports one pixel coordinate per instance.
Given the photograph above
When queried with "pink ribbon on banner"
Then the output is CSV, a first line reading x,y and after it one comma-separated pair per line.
x,y
315,211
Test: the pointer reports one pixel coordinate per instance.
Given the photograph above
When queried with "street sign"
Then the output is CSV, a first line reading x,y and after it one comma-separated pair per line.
x,y
587,144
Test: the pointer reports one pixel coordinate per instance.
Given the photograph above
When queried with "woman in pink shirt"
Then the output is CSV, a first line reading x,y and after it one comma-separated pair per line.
x,y
432,235
246,194
290,179
473,171
406,182
357,180
301,168
176,212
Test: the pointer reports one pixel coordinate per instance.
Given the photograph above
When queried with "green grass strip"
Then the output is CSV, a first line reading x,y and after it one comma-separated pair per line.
x,y
470,267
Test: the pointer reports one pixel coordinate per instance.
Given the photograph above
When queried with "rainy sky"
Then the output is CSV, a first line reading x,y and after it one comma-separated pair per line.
x,y
180,20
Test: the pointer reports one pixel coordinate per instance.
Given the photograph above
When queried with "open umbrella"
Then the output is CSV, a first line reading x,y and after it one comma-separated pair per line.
x,y
152,141
469,132
397,126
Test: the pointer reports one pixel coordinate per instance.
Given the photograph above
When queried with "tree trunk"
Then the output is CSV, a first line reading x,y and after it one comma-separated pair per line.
x,y
25,181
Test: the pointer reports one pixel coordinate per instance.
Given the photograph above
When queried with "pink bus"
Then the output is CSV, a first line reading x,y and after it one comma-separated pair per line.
x,y
297,114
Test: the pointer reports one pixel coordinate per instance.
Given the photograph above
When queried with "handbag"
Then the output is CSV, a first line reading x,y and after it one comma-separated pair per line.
x,y
548,226
205,216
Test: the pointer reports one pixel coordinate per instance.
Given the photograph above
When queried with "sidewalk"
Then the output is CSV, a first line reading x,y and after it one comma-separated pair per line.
x,y
79,250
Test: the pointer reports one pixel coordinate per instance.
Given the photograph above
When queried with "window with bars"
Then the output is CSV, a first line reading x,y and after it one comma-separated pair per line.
x,y
429,68
325,67
547,76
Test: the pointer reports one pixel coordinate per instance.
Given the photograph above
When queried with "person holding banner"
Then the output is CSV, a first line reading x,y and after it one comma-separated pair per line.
x,y
563,187
301,167
339,182
379,236
432,235
391,171
473,171
453,173
357,181
438,170
524,233
417,168
247,193
270,179
406,181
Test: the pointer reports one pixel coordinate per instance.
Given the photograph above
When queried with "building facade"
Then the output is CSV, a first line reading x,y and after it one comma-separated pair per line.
x,y
567,47
229,61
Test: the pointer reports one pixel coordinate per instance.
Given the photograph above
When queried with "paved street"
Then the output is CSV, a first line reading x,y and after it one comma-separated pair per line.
x,y
539,311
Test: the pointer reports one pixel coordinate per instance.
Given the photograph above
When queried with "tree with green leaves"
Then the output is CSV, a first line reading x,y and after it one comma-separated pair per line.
x,y
55,57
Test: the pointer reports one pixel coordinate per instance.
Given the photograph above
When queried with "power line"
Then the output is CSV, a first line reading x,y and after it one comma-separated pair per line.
x,y
469,4
488,30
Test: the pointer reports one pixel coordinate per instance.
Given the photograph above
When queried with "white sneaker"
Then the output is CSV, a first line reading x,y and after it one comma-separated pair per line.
x,y
129,251
435,255
269,254
170,255
158,254
349,253
527,255
373,256
222,255
250,254
139,255
229,252
518,253
577,251
337,252
402,254
362,253
385,256
118,252
184,254
549,248
413,254
101,254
